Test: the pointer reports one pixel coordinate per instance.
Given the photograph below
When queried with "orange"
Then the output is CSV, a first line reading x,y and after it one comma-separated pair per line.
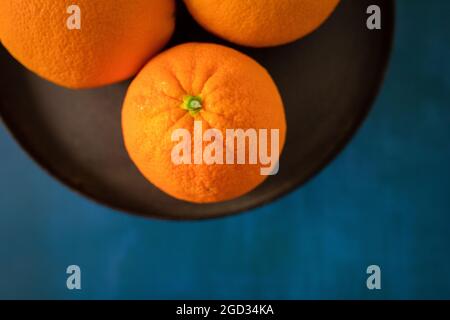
x,y
261,23
211,85
115,40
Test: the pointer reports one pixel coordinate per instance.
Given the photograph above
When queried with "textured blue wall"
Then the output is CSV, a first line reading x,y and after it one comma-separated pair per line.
x,y
385,200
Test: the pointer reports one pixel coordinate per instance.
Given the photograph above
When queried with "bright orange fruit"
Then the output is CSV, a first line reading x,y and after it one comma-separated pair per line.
x,y
261,23
117,37
215,86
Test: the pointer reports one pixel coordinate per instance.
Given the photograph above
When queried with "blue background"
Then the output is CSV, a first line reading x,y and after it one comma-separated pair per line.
x,y
385,200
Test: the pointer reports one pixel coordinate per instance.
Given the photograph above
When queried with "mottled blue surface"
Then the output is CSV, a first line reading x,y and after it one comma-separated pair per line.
x,y
385,200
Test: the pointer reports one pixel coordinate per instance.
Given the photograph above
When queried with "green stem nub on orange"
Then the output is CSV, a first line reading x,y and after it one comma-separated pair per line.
x,y
193,104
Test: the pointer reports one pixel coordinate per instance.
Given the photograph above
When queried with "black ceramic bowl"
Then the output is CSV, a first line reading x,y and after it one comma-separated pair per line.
x,y
328,81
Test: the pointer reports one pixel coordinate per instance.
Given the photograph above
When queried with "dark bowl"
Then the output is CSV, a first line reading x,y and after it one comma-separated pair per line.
x,y
328,81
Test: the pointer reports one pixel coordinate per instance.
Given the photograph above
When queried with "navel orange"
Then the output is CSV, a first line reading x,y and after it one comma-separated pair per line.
x,y
196,87
111,40
261,23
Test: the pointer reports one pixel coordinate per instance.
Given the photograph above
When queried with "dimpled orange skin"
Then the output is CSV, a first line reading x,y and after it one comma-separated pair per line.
x,y
261,23
235,91
116,38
